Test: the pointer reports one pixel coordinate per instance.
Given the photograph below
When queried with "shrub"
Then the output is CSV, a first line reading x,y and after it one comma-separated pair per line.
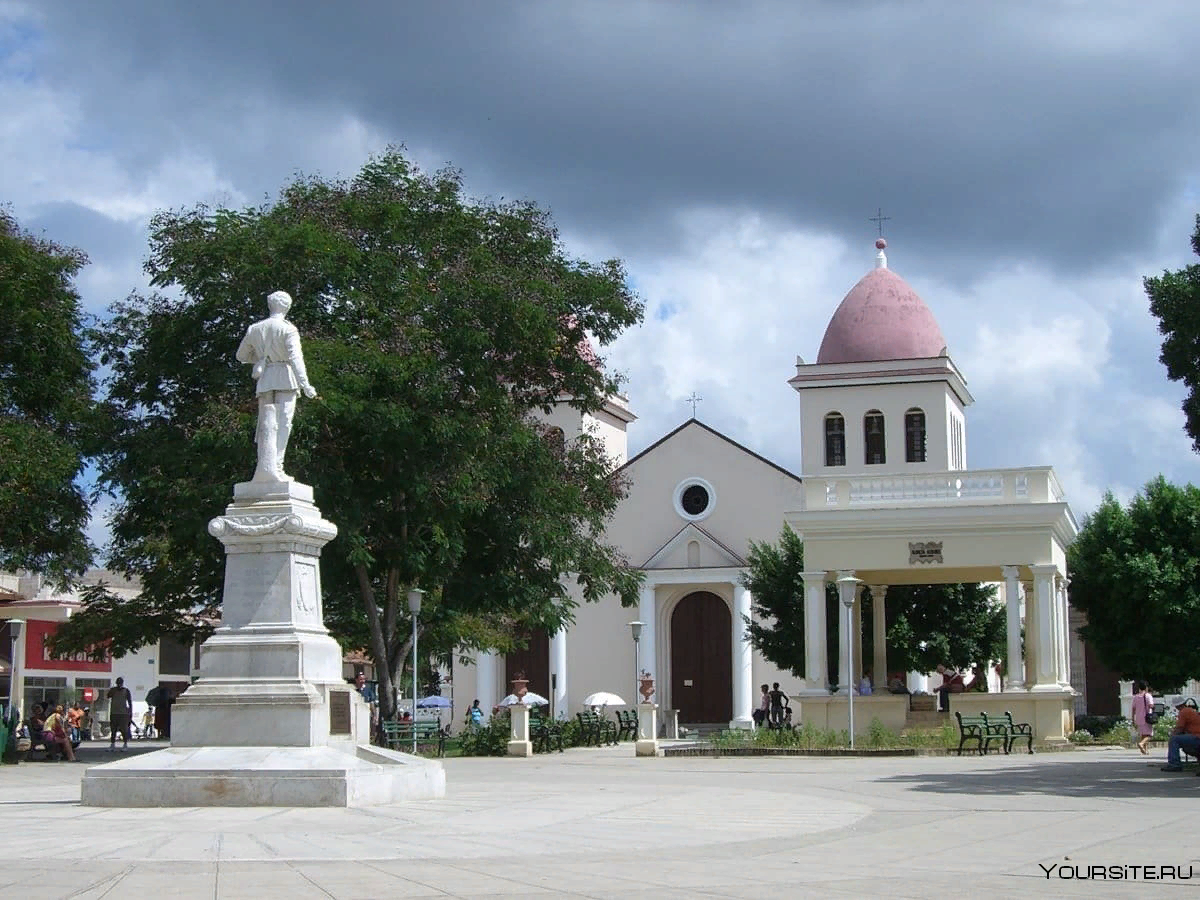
x,y
1081,736
1163,727
1118,734
879,736
490,740
1099,724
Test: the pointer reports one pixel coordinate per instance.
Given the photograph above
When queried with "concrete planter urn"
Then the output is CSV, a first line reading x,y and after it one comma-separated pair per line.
x,y
647,687
520,686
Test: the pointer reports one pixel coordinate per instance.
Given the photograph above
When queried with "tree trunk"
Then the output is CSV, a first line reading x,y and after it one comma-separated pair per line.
x,y
388,651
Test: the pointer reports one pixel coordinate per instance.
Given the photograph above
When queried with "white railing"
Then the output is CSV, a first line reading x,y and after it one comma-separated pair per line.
x,y
1037,485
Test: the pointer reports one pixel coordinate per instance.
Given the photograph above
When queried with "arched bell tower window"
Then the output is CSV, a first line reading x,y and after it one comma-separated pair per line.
x,y
557,439
873,438
914,435
835,440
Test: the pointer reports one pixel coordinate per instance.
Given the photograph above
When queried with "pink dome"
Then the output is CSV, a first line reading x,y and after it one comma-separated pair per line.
x,y
881,318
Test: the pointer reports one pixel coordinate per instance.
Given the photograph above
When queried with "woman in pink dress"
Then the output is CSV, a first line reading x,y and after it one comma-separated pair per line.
x,y
1143,703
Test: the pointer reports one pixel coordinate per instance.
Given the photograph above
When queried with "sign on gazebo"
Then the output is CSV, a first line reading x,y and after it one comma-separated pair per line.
x,y
924,552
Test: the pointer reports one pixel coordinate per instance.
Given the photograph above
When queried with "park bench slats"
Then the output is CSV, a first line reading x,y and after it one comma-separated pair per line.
x,y
399,735
596,729
627,724
544,733
983,731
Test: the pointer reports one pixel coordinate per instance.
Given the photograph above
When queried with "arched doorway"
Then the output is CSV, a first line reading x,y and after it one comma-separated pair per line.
x,y
534,661
702,659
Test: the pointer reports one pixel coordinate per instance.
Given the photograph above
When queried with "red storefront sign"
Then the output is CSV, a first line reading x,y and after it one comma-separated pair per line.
x,y
89,694
37,656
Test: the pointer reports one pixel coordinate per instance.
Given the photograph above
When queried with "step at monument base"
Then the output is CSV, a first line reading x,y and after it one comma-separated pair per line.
x,y
264,776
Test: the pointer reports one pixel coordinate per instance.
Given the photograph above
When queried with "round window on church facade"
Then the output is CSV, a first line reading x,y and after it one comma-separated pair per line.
x,y
694,499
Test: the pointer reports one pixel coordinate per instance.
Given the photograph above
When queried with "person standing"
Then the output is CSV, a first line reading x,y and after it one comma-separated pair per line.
x,y
764,706
74,721
1143,705
778,700
475,716
120,713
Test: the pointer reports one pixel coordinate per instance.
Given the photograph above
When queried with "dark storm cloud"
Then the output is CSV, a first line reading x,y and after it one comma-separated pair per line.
x,y
1006,129
102,238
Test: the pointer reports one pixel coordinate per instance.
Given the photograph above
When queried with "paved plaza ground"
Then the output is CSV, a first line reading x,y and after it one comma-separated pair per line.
x,y
600,823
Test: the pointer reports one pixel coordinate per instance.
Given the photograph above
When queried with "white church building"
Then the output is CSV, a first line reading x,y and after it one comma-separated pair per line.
x,y
884,498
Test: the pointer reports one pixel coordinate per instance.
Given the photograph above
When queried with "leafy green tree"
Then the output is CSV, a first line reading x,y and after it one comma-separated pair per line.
x,y
1175,302
435,328
1135,574
957,625
45,404
953,624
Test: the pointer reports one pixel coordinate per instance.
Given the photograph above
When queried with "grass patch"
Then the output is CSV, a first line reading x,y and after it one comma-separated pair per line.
x,y
808,737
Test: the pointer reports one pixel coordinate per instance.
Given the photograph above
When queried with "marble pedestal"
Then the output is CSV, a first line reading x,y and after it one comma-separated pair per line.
x,y
647,737
271,721
519,743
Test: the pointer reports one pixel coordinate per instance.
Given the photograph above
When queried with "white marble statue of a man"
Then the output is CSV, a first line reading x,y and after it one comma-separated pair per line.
x,y
272,347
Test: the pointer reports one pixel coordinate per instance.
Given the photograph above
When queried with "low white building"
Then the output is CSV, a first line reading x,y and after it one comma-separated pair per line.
x,y
41,678
884,497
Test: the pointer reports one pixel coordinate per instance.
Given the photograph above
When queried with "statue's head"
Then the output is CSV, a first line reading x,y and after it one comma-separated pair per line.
x,y
279,302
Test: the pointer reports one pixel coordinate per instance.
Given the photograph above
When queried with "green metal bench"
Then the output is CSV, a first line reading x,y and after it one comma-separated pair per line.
x,y
627,724
1012,731
596,729
544,733
400,735
979,730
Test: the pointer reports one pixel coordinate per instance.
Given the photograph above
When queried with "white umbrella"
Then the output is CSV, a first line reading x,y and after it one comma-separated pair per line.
x,y
603,698
530,699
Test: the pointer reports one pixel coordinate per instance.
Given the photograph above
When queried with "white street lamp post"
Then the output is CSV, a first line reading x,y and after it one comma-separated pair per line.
x,y
414,607
846,589
636,628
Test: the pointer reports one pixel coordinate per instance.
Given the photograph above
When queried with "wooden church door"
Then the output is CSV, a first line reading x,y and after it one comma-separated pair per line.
x,y
702,659
534,661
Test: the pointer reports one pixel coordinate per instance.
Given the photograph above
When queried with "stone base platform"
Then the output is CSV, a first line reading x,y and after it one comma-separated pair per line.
x,y
264,776
830,711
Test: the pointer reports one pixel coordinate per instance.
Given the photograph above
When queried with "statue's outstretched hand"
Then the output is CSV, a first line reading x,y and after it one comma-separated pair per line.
x,y
309,391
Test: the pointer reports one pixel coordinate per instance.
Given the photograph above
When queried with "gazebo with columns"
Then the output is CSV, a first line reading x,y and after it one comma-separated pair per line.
x,y
888,499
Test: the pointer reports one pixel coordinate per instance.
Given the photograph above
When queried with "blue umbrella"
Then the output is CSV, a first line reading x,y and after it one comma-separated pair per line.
x,y
433,703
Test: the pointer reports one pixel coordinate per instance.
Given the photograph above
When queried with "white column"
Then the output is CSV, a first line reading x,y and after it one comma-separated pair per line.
x,y
485,681
879,637
1030,648
816,663
1042,617
843,642
1014,665
857,632
558,674
1064,633
16,681
648,616
743,660
1126,689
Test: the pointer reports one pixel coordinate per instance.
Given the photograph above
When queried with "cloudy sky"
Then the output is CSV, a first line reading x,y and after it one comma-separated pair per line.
x,y
1036,158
